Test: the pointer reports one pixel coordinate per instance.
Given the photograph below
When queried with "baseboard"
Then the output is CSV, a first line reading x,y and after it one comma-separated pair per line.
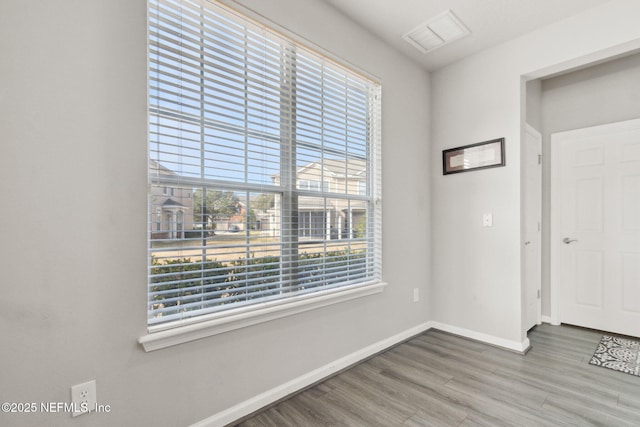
x,y
519,347
546,319
270,396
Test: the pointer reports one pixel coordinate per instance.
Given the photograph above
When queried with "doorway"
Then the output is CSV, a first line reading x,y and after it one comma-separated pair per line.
x,y
591,90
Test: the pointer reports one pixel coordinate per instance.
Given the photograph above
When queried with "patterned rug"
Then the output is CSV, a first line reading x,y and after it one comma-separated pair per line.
x,y
618,354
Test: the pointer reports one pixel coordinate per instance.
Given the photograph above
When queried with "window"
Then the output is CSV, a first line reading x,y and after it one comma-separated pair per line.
x,y
312,185
362,187
238,116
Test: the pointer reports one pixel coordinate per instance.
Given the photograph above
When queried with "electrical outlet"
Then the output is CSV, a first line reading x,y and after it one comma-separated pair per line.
x,y
416,294
83,398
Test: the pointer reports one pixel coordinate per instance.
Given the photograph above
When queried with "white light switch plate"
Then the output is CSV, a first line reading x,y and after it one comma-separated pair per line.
x,y
487,220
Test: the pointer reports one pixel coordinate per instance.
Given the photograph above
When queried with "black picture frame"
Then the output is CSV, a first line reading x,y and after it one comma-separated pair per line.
x,y
482,155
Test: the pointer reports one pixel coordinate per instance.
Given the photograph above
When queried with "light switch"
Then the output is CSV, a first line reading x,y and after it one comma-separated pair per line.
x,y
487,220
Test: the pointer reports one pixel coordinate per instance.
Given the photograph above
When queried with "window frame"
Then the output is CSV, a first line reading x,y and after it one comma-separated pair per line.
x,y
163,335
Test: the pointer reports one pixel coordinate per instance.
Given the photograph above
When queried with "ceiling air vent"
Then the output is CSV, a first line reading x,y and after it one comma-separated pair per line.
x,y
436,32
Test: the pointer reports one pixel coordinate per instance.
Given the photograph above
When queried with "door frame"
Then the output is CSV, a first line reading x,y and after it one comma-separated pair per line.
x,y
528,129
556,237
606,54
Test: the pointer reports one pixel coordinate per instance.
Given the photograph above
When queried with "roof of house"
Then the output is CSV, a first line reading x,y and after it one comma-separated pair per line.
x,y
351,167
160,169
170,203
338,168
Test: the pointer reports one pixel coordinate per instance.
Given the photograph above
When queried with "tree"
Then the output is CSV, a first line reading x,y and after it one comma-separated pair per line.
x,y
217,203
252,220
263,202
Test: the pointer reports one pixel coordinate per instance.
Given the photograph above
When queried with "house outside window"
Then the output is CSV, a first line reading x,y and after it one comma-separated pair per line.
x,y
265,146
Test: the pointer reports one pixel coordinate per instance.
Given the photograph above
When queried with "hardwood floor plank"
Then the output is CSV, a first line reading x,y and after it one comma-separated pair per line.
x,y
410,368
436,417
507,408
630,401
419,392
568,382
501,389
373,395
484,419
335,413
450,362
439,379
588,413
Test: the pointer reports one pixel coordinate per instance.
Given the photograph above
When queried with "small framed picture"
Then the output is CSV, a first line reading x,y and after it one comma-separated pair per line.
x,y
483,155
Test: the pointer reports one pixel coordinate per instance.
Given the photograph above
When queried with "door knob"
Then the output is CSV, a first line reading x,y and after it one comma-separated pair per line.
x,y
568,240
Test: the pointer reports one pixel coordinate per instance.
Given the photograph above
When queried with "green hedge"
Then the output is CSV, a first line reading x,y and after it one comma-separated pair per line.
x,y
187,285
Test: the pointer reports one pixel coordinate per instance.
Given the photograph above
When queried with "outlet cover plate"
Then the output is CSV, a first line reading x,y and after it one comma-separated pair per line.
x,y
83,398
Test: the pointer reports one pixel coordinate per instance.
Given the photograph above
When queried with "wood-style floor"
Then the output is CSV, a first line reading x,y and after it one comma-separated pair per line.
x,y
438,379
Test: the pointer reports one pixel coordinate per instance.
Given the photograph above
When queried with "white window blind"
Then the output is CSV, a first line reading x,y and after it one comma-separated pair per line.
x,y
239,116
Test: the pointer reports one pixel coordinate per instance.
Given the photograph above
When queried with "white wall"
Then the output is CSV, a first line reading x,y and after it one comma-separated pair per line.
x,y
601,94
73,223
476,271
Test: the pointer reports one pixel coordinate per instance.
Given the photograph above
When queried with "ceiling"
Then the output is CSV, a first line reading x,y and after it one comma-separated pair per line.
x,y
491,22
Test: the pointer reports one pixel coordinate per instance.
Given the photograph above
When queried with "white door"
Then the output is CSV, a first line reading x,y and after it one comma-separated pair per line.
x,y
596,227
532,181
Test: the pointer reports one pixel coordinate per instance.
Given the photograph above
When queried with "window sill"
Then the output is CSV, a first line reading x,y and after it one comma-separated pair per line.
x,y
195,329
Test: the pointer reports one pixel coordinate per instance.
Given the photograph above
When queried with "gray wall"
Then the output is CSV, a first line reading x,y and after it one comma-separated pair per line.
x,y
601,94
476,283
73,222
